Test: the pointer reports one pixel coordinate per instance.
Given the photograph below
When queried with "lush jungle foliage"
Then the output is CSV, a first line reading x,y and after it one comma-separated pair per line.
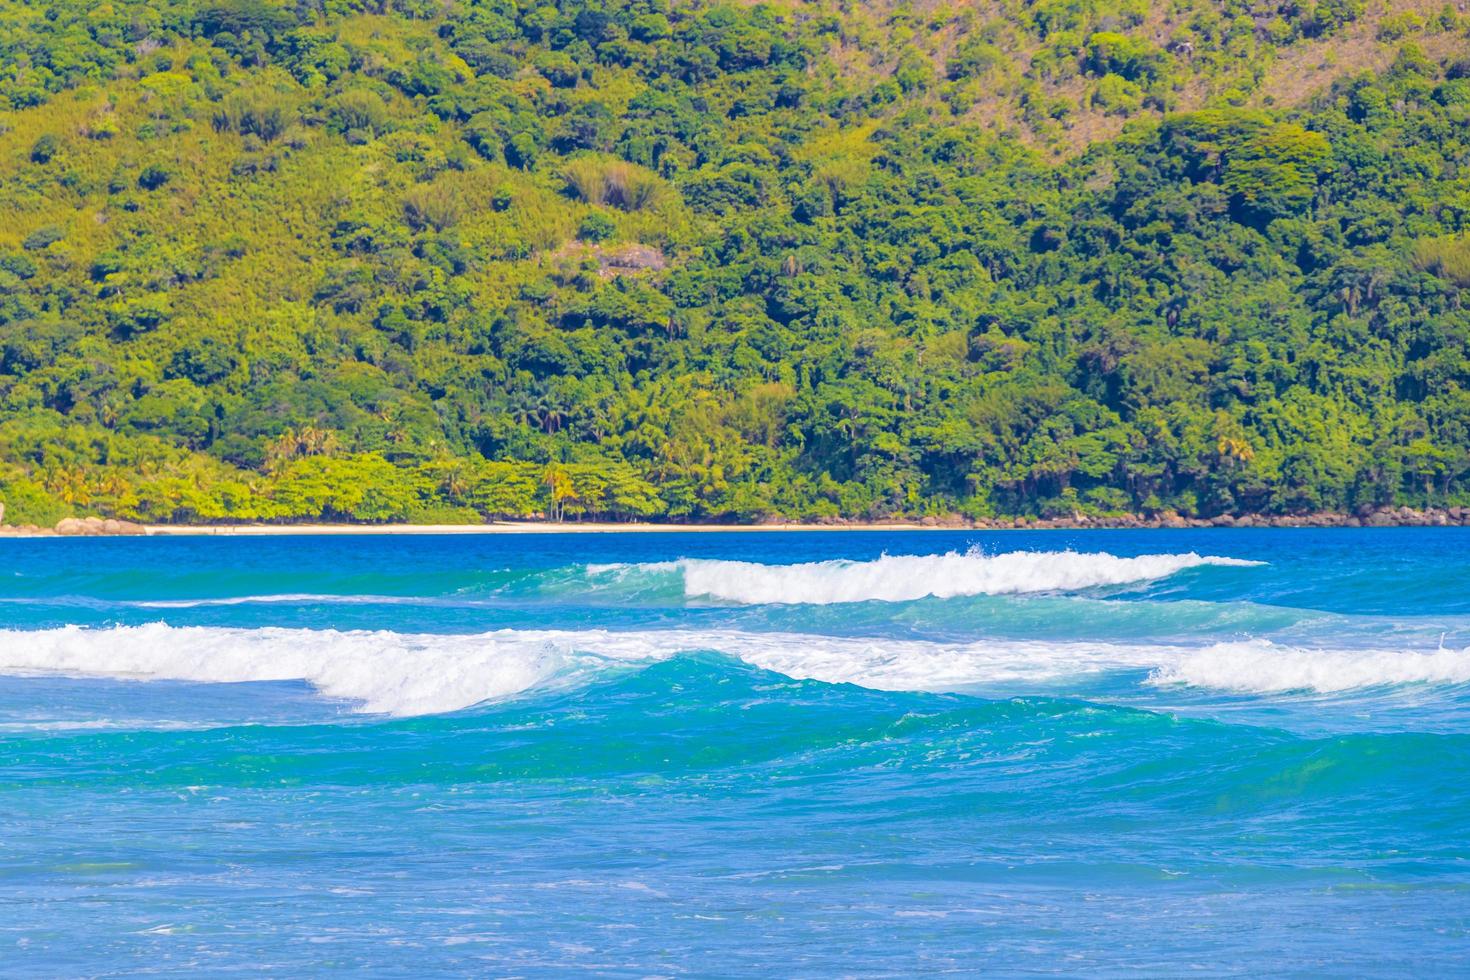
x,y
440,261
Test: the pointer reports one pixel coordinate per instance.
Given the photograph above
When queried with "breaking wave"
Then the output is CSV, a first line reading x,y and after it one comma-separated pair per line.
x,y
411,674
891,578
1260,667
901,578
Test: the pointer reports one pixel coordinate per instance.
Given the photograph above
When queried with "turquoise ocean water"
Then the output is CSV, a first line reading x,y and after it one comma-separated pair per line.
x,y
859,753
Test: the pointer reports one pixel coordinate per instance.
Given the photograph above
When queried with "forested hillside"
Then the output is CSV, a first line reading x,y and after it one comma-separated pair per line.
x,y
443,261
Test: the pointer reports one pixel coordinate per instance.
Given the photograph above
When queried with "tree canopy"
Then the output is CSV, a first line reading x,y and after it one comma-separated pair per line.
x,y
626,258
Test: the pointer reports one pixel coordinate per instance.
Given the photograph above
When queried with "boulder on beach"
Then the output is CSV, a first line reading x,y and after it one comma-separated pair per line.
x,y
95,526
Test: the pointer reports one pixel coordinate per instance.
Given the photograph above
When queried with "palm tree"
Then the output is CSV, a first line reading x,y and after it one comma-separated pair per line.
x,y
455,479
560,483
522,406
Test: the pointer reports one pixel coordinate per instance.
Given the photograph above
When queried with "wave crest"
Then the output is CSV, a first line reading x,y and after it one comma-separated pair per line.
x,y
385,672
1261,667
411,674
902,578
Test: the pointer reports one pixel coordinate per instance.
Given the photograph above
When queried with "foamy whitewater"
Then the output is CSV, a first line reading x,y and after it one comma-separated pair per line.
x,y
900,578
411,674
809,754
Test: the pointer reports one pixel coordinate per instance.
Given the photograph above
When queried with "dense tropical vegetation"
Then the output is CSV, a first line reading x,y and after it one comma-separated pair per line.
x,y
443,261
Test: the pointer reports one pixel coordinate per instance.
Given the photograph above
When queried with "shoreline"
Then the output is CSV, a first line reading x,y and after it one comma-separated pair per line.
x,y
1000,524
515,527
1384,517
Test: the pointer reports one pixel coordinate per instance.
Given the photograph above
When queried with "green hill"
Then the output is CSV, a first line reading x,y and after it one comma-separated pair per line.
x,y
440,261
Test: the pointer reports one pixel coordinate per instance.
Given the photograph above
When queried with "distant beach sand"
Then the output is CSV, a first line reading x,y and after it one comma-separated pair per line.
x,y
509,527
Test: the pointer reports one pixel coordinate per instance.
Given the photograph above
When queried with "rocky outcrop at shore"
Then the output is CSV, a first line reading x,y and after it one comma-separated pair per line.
x,y
92,526
74,527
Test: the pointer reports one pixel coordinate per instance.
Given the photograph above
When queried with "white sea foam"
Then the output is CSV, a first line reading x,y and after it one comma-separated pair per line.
x,y
1260,667
900,578
388,672
409,674
293,598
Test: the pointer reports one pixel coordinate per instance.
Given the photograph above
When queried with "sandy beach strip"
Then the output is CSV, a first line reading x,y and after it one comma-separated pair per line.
x,y
505,527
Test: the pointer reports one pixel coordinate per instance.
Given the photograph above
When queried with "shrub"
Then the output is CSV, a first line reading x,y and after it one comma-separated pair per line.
x,y
1115,94
434,206
153,177
522,151
615,182
1396,26
559,68
1448,258
362,110
43,237
972,59
1117,54
138,315
259,114
444,514
203,363
596,227
44,149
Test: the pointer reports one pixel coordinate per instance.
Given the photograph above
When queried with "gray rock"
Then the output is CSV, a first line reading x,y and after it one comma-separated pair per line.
x,y
94,526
